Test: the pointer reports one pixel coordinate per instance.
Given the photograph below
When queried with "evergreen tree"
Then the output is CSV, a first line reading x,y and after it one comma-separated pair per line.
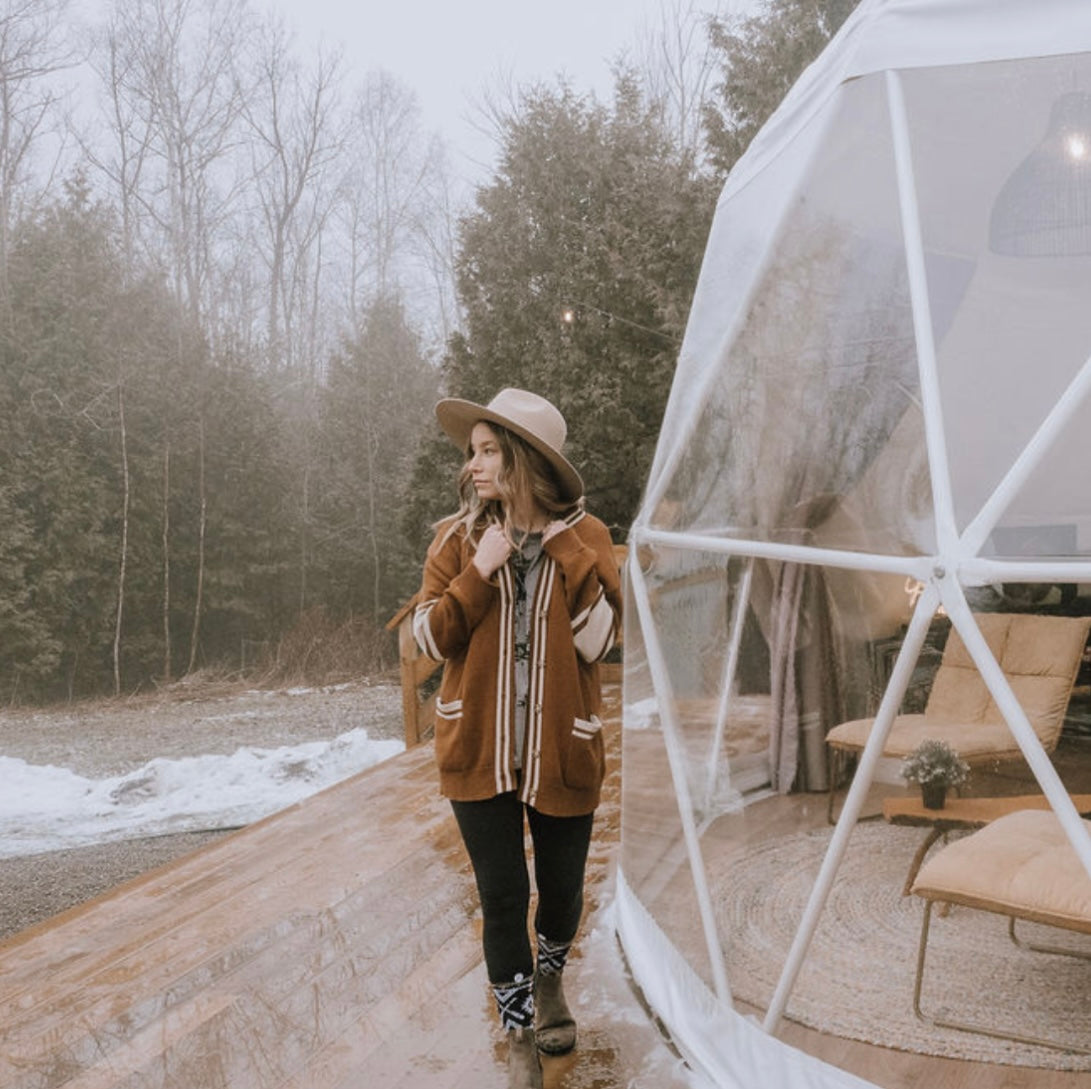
x,y
249,556
30,651
375,406
95,383
760,58
59,371
575,274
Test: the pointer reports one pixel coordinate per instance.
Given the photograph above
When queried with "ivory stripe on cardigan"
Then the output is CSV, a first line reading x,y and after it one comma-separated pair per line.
x,y
505,667
593,630
532,746
423,633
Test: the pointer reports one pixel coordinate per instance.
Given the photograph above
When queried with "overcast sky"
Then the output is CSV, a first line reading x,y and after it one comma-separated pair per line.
x,y
450,51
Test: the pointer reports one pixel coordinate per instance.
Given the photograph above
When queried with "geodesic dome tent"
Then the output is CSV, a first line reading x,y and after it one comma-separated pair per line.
x,y
878,419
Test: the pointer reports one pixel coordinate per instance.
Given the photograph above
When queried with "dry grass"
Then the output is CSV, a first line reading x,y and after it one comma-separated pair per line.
x,y
320,650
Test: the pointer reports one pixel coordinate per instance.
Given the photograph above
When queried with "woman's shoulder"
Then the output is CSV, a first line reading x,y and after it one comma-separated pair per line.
x,y
450,532
590,529
447,525
579,517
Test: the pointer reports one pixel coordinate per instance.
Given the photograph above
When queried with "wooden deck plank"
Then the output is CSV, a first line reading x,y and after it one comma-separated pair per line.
x,y
157,904
164,959
298,969
334,944
403,1023
399,1028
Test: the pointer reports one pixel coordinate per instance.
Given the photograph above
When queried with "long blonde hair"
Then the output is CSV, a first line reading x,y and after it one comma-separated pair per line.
x,y
526,479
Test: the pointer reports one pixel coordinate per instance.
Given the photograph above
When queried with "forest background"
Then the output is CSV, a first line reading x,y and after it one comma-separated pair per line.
x,y
232,286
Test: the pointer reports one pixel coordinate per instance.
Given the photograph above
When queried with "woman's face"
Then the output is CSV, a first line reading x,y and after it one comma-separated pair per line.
x,y
486,461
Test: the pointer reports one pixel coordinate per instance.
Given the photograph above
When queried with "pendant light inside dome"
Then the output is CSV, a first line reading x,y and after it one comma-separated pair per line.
x,y
1044,208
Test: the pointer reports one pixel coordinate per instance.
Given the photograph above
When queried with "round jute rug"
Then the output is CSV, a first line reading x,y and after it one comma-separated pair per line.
x,y
857,980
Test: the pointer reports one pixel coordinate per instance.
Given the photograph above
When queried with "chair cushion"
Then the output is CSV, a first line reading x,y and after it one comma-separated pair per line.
x,y
958,691
1044,699
1045,646
1041,659
975,742
1021,864
1040,656
993,626
957,695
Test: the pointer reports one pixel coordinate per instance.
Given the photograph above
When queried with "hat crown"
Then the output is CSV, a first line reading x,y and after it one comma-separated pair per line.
x,y
532,413
529,416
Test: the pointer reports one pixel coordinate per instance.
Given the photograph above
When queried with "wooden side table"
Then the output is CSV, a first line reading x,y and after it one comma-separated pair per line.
x,y
961,813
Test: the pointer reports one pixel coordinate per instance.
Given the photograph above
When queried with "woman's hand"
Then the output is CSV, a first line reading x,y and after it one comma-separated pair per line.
x,y
493,551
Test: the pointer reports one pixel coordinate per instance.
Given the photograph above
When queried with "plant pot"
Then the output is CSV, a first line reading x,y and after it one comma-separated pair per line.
x,y
934,795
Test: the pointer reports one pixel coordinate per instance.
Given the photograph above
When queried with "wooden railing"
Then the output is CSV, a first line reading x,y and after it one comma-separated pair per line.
x,y
418,711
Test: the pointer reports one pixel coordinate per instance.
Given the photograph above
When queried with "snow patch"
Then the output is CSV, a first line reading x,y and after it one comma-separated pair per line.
x,y
46,808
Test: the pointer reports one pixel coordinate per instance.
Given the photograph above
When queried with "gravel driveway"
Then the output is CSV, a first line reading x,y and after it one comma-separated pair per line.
x,y
111,737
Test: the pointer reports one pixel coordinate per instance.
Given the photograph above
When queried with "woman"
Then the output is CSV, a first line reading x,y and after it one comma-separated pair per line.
x,y
520,599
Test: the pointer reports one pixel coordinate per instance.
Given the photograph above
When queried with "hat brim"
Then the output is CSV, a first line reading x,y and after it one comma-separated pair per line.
x,y
457,418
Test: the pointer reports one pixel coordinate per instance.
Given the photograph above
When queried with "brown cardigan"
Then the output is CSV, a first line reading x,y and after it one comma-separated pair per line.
x,y
469,623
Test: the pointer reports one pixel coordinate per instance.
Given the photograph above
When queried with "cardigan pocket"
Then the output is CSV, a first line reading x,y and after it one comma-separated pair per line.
x,y
585,757
450,744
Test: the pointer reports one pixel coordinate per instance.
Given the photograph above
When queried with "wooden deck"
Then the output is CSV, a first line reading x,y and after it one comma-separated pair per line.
x,y
336,945
333,945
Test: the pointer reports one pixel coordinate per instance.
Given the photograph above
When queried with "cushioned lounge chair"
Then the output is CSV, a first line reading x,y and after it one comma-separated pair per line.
x,y
1022,866
1040,656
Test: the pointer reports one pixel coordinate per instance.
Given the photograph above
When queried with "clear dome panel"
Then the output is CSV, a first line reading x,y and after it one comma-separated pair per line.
x,y
810,431
1010,277
760,659
688,750
1018,342
1049,516
740,239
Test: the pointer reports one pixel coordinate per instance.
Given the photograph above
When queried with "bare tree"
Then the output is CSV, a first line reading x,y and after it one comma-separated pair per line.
x,y
129,128
389,190
676,63
435,240
202,536
291,113
171,70
165,548
32,49
177,71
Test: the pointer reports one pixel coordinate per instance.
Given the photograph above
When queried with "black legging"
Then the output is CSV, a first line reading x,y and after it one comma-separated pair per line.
x,y
493,833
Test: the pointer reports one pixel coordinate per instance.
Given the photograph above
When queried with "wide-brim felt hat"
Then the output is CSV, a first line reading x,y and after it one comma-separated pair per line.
x,y
525,414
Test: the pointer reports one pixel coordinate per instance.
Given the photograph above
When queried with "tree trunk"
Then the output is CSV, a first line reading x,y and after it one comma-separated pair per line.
x,y
303,542
195,635
124,540
373,515
167,646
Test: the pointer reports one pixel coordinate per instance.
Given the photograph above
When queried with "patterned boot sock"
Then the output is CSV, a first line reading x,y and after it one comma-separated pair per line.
x,y
515,1002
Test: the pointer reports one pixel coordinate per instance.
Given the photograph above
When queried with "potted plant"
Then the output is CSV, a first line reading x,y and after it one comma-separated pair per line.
x,y
935,766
